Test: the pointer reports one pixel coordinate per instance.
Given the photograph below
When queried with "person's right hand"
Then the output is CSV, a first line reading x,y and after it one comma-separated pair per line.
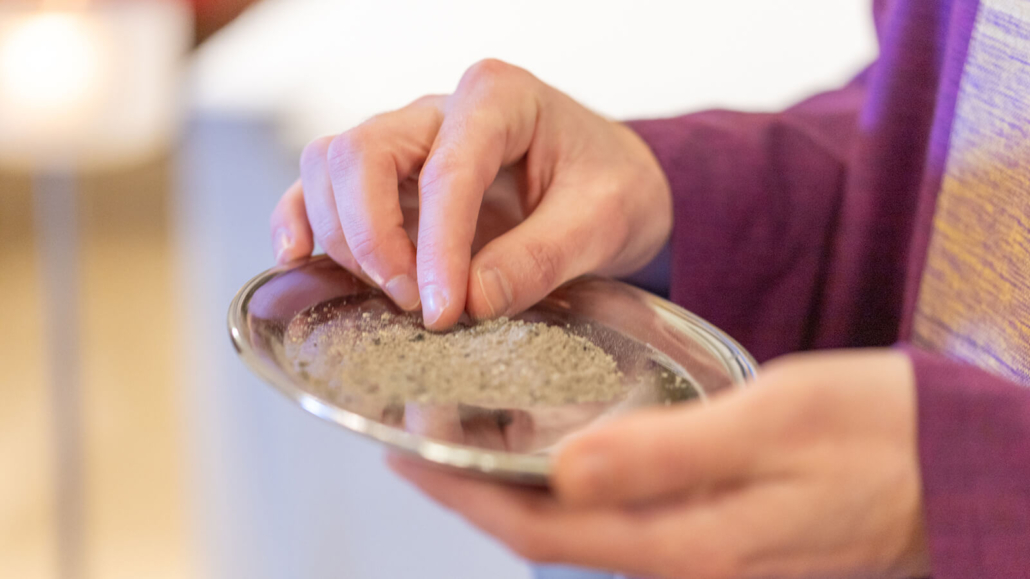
x,y
579,193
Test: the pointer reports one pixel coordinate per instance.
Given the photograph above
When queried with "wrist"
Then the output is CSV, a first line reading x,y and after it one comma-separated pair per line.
x,y
649,204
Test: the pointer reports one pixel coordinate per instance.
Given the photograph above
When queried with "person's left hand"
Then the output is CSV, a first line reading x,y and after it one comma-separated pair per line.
x,y
813,472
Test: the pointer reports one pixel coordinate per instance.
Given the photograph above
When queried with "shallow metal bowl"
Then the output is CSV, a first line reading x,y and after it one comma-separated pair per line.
x,y
666,355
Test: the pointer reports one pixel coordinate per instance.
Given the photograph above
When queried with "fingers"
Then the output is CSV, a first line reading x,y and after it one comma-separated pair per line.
x,y
291,234
365,166
655,454
530,521
489,123
657,543
320,204
519,268
350,194
457,145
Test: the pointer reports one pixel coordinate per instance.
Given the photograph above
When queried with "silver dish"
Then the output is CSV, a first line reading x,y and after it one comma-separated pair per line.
x,y
666,354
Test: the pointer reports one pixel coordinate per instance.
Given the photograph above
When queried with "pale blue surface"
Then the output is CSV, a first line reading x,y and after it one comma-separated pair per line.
x,y
558,572
279,493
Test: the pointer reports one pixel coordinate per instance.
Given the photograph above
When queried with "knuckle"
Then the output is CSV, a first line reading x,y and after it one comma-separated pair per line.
x,y
435,168
436,172
428,100
314,154
488,70
449,165
326,231
545,259
492,121
370,126
364,244
347,149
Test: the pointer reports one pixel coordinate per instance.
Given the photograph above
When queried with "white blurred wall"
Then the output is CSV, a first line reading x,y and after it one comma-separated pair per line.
x,y
278,493
320,66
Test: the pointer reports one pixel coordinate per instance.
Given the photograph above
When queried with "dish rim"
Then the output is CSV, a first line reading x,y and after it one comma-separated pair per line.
x,y
533,469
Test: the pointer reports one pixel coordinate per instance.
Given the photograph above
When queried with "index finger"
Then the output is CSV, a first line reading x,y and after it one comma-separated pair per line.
x,y
489,123
365,166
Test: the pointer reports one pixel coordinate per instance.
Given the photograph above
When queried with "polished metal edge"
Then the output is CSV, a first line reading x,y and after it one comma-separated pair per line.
x,y
525,469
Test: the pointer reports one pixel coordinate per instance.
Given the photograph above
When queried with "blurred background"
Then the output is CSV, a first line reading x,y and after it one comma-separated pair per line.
x,y
143,145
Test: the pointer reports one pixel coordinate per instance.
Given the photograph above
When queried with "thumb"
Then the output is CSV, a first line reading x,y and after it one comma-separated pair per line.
x,y
654,454
519,268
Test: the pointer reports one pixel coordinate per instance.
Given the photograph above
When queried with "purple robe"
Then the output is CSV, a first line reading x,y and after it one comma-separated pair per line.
x,y
892,211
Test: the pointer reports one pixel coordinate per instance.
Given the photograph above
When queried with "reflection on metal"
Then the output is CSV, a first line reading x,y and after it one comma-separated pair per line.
x,y
666,355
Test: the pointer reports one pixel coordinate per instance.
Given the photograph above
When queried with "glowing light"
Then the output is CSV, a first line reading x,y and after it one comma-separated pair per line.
x,y
50,65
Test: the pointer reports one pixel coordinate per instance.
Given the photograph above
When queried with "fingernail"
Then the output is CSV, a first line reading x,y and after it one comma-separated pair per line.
x,y
283,242
434,302
404,291
496,290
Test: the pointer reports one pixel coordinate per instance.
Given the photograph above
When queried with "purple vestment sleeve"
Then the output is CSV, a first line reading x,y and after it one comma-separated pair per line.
x,y
809,229
756,198
974,450
795,230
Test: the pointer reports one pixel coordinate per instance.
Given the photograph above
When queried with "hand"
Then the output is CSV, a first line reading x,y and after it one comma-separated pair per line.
x,y
546,188
813,472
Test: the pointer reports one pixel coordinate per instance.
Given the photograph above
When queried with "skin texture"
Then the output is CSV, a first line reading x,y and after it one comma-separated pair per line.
x,y
811,473
555,190
508,188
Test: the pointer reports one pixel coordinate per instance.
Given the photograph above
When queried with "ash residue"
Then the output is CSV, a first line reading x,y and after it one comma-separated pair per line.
x,y
511,362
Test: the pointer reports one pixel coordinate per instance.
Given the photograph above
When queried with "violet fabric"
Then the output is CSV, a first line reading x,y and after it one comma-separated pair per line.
x,y
973,433
808,229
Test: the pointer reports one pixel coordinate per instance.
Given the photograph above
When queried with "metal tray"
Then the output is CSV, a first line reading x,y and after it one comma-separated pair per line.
x,y
666,355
